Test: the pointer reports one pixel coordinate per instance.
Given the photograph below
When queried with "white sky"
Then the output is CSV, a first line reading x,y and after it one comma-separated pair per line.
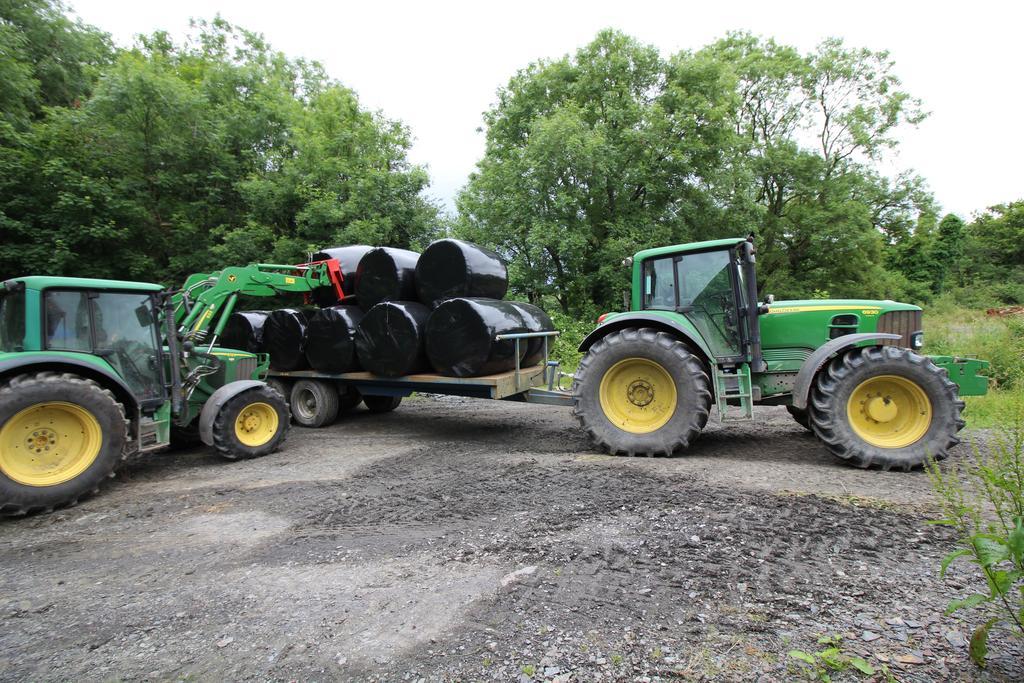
x,y
437,65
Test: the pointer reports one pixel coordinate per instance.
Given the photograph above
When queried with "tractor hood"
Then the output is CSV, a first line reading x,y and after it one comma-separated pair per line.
x,y
809,323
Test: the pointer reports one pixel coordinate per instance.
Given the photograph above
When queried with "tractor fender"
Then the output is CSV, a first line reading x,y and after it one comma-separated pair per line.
x,y
659,322
67,363
814,363
216,401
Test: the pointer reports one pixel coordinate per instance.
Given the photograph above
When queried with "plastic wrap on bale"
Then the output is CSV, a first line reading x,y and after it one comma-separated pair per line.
x,y
386,274
348,259
390,339
331,339
461,337
535,320
284,338
450,268
244,331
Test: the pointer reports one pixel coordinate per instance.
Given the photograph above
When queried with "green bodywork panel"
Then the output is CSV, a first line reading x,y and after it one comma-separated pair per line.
x,y
235,365
48,282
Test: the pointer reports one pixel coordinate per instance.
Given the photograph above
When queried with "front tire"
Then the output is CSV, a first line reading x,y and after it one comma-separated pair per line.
x,y
641,392
61,437
885,407
251,424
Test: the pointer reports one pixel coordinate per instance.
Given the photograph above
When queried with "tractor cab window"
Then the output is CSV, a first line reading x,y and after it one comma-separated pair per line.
x,y
117,326
126,335
12,322
702,286
67,321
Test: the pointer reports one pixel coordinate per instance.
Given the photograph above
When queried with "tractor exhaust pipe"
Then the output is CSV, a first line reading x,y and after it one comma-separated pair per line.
x,y
757,363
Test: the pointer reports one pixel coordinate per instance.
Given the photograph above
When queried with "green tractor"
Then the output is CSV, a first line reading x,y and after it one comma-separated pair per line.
x,y
94,372
695,335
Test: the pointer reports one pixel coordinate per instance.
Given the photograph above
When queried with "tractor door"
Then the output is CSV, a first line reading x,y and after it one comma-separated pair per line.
x,y
118,326
705,288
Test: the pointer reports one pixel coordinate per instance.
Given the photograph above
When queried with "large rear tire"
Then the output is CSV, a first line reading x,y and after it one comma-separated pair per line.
x,y
885,407
61,437
251,424
641,392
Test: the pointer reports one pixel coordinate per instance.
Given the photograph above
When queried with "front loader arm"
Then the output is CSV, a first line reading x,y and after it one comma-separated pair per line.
x,y
208,299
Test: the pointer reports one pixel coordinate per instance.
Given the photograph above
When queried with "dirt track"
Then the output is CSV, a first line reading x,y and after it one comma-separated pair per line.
x,y
476,539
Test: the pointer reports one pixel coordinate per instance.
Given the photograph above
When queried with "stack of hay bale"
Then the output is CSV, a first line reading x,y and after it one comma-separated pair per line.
x,y
403,313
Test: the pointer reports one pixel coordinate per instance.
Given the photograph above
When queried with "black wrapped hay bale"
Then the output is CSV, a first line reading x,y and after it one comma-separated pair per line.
x,y
460,337
331,339
390,338
536,320
452,268
244,331
348,258
386,274
284,338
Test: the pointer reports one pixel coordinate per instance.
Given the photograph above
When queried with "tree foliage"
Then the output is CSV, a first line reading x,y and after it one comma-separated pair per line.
x,y
189,156
593,156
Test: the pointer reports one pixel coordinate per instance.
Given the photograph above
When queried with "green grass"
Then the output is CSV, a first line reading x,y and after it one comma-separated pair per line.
x,y
950,329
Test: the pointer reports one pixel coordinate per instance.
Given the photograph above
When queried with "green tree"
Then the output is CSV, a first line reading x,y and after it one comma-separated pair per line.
x,y
994,251
190,156
808,129
589,158
48,59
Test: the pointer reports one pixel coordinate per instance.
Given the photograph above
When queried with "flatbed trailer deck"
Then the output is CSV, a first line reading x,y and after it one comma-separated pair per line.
x,y
535,384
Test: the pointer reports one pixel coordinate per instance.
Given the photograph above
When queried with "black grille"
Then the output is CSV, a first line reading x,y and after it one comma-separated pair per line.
x,y
903,323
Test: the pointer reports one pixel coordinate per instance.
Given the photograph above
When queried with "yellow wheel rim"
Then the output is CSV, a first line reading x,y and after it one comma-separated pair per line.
x,y
638,395
889,411
49,443
256,424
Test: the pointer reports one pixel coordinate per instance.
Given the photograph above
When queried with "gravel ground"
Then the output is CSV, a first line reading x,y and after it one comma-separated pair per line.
x,y
466,540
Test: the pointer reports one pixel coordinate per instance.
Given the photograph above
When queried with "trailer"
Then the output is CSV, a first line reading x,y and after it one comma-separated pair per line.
x,y
317,398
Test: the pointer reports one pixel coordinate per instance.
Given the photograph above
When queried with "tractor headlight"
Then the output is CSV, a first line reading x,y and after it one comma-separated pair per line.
x,y
917,340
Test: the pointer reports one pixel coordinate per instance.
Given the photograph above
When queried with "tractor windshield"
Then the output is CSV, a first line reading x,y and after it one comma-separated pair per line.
x,y
700,286
12,322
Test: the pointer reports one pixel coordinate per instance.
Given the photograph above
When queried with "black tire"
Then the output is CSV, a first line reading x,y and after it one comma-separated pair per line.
x,y
314,403
349,398
381,404
801,417
281,386
687,373
25,391
226,439
837,382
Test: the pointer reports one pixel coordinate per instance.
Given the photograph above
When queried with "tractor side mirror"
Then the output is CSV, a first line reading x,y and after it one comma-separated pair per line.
x,y
144,315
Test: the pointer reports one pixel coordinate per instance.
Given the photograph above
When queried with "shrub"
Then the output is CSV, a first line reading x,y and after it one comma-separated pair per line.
x,y
982,499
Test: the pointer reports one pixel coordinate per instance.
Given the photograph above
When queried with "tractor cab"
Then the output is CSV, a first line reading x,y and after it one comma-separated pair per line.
x,y
713,286
105,326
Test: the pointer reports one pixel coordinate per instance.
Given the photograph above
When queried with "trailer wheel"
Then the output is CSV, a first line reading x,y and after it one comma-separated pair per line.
x,y
381,404
61,437
349,398
641,392
251,424
314,403
885,407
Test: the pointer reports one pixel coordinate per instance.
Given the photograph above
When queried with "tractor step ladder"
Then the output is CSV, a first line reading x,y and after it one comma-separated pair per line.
x,y
734,384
